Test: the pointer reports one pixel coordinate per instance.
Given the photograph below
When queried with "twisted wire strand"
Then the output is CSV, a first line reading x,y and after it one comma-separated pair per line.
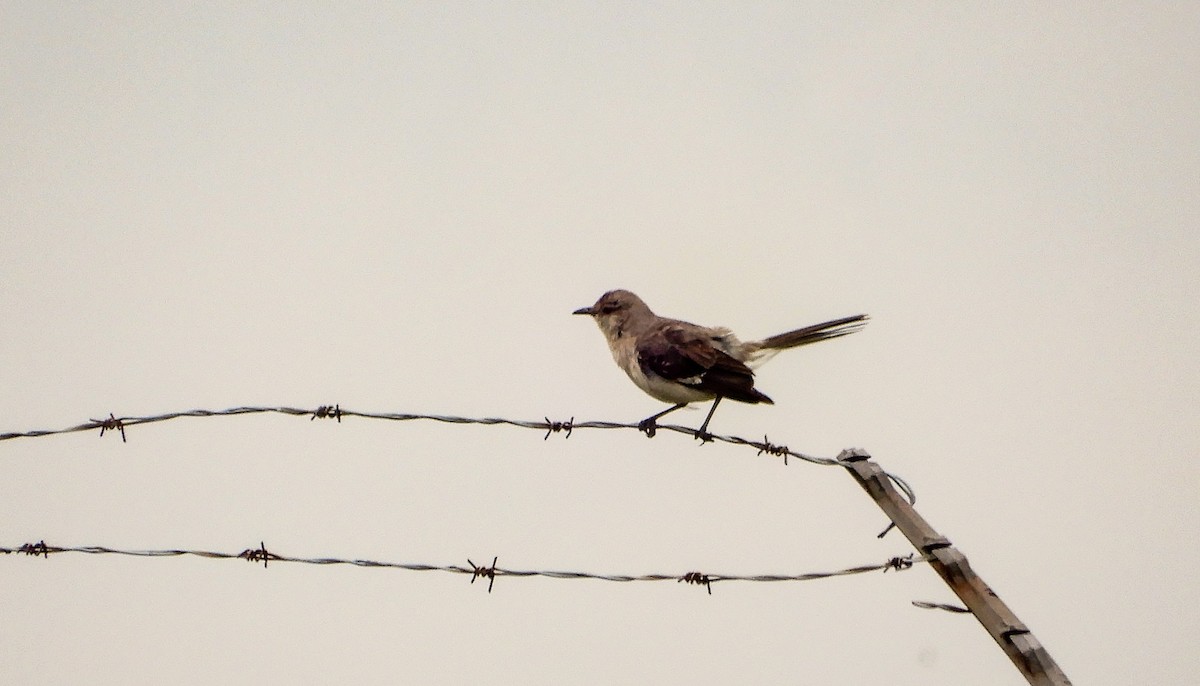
x,y
261,554
113,423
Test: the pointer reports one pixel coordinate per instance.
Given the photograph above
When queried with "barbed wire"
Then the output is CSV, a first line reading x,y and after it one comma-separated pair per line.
x,y
120,424
953,609
335,411
490,572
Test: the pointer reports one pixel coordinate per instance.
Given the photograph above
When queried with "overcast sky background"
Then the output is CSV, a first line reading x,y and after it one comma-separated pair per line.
x,y
396,208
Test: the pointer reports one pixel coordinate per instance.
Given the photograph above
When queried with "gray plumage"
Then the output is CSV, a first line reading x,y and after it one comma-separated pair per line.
x,y
679,362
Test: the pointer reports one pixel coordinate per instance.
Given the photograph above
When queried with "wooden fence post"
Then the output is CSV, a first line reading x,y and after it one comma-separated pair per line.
x,y
1013,637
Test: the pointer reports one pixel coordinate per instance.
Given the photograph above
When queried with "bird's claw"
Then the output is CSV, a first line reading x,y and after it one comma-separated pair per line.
x,y
703,436
648,427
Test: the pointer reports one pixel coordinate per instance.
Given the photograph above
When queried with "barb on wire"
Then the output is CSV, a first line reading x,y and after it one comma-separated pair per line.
x,y
698,579
327,411
110,424
261,554
925,605
33,549
771,449
487,572
555,427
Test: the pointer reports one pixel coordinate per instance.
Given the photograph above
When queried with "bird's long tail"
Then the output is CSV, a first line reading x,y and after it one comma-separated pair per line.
x,y
817,332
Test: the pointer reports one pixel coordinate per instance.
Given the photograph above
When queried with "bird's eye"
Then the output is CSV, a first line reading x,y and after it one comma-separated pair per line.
x,y
609,308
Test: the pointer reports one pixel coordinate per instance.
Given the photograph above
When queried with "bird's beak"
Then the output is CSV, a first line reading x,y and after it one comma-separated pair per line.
x,y
585,310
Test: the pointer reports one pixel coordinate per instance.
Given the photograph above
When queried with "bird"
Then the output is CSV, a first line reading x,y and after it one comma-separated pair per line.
x,y
680,363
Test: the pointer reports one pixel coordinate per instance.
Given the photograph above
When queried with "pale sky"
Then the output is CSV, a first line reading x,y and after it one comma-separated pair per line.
x,y
395,207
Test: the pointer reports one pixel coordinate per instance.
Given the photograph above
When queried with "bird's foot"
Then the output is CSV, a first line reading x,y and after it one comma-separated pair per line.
x,y
648,426
703,436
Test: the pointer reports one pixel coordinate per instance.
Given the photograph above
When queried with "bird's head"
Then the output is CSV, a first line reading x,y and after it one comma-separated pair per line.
x,y
616,312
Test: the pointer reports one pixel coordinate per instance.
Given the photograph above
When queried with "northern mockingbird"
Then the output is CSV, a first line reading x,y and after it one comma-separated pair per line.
x,y
679,363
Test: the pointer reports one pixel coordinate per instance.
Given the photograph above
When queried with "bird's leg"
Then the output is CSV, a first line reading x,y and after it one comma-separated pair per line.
x,y
702,432
649,424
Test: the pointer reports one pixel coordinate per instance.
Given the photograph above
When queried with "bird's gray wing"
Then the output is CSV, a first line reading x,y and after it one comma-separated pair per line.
x,y
684,354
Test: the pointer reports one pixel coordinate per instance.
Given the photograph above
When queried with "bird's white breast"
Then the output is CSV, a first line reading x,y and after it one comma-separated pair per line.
x,y
625,355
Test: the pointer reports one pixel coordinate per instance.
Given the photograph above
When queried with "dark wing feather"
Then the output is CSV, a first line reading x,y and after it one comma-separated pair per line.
x,y
663,356
676,354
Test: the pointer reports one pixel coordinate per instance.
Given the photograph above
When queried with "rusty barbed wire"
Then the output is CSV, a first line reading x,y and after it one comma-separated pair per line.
x,y
490,572
335,411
